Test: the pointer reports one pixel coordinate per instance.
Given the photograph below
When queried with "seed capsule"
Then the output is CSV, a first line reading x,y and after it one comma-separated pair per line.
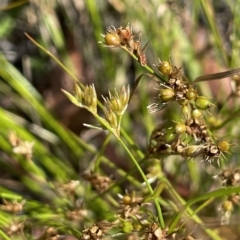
x,y
236,77
137,226
180,128
202,102
165,68
192,151
191,94
127,227
169,137
224,146
127,200
186,111
196,113
183,102
167,94
214,121
112,39
227,206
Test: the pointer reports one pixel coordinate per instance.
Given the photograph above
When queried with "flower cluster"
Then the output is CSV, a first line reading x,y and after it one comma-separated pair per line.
x,y
189,138
115,105
124,38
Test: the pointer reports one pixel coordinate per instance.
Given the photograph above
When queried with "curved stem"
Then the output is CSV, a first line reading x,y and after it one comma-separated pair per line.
x,y
150,70
159,211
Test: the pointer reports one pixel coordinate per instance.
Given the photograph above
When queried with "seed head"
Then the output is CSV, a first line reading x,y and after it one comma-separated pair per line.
x,y
111,117
119,102
78,93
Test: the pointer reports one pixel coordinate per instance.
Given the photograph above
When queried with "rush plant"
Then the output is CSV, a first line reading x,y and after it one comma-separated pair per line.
x,y
154,171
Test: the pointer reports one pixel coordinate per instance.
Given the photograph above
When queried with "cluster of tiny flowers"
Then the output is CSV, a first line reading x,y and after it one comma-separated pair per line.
x,y
124,38
115,104
177,88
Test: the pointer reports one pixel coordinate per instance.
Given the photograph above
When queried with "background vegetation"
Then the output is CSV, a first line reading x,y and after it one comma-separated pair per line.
x,y
45,148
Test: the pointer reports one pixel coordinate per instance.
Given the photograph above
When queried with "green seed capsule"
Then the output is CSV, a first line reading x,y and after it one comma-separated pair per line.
x,y
165,68
180,128
137,226
214,121
183,102
227,206
169,137
202,102
186,112
224,146
127,227
167,94
196,113
192,151
191,94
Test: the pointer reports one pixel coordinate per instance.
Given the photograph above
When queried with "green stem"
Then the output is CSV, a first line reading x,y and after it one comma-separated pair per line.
x,y
159,211
100,152
150,70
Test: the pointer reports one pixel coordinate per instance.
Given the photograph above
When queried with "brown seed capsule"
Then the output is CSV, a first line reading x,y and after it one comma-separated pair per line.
x,y
167,94
125,34
112,39
127,200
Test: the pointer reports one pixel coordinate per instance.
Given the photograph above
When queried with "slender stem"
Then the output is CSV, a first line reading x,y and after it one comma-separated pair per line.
x,y
53,57
150,70
101,151
159,211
